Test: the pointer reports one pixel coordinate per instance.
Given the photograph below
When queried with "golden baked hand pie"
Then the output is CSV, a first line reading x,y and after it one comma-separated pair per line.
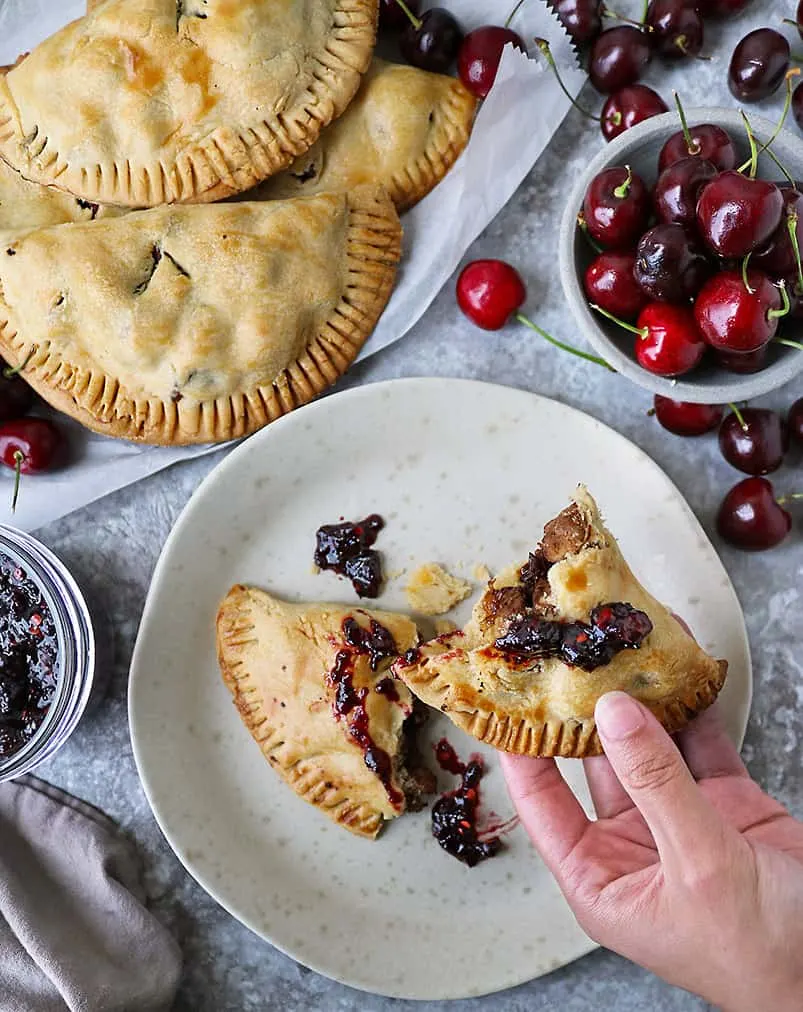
x,y
182,100
312,685
405,129
547,639
197,324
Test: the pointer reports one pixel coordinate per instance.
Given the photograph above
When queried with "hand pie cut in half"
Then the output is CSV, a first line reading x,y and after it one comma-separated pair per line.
x,y
182,100
547,639
312,685
404,130
197,324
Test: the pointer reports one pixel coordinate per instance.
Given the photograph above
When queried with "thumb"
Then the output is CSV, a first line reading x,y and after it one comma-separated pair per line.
x,y
652,771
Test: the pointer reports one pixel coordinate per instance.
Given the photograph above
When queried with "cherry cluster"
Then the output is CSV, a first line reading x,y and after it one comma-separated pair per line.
x,y
27,445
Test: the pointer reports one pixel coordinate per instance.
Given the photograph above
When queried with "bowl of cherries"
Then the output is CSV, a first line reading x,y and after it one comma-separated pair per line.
x,y
680,255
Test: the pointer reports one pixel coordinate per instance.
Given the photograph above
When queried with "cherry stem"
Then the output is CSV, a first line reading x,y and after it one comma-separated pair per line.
x,y
780,166
789,21
789,497
692,147
623,189
514,12
582,224
19,458
794,72
9,373
613,15
788,343
414,21
745,262
776,314
638,331
543,45
791,225
752,163
559,344
739,416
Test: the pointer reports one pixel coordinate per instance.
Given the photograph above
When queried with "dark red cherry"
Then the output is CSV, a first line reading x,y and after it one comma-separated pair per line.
x,y
758,65
670,343
611,284
744,363
721,8
670,265
629,106
736,214
797,105
618,58
489,292
580,18
794,422
616,207
686,419
677,28
392,18
735,319
480,55
708,141
799,19
433,42
751,518
678,189
754,440
16,397
778,258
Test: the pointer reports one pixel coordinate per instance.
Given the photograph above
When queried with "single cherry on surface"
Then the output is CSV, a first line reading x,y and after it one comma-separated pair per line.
x,y
678,189
629,106
743,363
580,18
616,207
28,446
16,397
707,141
677,28
794,421
610,283
758,65
751,517
754,440
619,56
737,214
686,419
480,54
778,257
671,266
738,317
392,17
489,292
432,41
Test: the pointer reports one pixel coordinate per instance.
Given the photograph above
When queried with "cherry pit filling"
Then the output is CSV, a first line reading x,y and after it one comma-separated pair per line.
x,y
28,656
533,632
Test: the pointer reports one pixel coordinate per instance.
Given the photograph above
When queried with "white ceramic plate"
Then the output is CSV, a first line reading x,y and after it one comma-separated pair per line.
x,y
463,473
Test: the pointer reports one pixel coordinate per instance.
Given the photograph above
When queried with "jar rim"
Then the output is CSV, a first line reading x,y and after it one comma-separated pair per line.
x,y
76,649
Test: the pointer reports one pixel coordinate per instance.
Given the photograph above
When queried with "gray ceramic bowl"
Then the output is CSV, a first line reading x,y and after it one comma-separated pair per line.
x,y
639,148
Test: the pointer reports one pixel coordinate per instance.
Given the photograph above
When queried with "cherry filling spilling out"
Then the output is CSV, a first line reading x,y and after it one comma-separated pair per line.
x,y
349,704
345,548
28,658
454,815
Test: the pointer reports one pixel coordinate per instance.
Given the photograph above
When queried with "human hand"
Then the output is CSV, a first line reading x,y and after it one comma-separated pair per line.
x,y
701,883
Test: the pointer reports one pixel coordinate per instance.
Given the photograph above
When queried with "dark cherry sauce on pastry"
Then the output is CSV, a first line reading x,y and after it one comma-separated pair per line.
x,y
349,704
28,656
345,548
454,815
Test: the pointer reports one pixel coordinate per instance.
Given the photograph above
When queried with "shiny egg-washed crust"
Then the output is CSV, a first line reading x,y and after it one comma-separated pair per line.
x,y
546,707
182,100
405,129
274,658
197,324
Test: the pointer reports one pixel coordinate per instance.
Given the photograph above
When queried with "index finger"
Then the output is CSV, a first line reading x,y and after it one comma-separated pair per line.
x,y
549,811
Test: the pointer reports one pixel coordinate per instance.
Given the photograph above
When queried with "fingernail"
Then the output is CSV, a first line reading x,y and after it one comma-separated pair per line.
x,y
618,715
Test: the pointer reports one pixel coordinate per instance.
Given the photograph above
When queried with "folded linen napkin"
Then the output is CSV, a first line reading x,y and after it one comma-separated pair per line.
x,y
74,933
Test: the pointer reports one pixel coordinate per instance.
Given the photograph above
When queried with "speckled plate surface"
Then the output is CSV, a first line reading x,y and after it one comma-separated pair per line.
x,y
464,473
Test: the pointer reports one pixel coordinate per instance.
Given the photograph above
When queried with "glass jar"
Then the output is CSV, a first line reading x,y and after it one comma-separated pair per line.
x,y
75,662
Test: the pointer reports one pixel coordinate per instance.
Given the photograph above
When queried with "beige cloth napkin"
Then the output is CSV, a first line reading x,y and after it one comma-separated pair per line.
x,y
74,933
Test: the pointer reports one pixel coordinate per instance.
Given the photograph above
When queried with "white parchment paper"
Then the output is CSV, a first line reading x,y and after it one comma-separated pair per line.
x,y
519,116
